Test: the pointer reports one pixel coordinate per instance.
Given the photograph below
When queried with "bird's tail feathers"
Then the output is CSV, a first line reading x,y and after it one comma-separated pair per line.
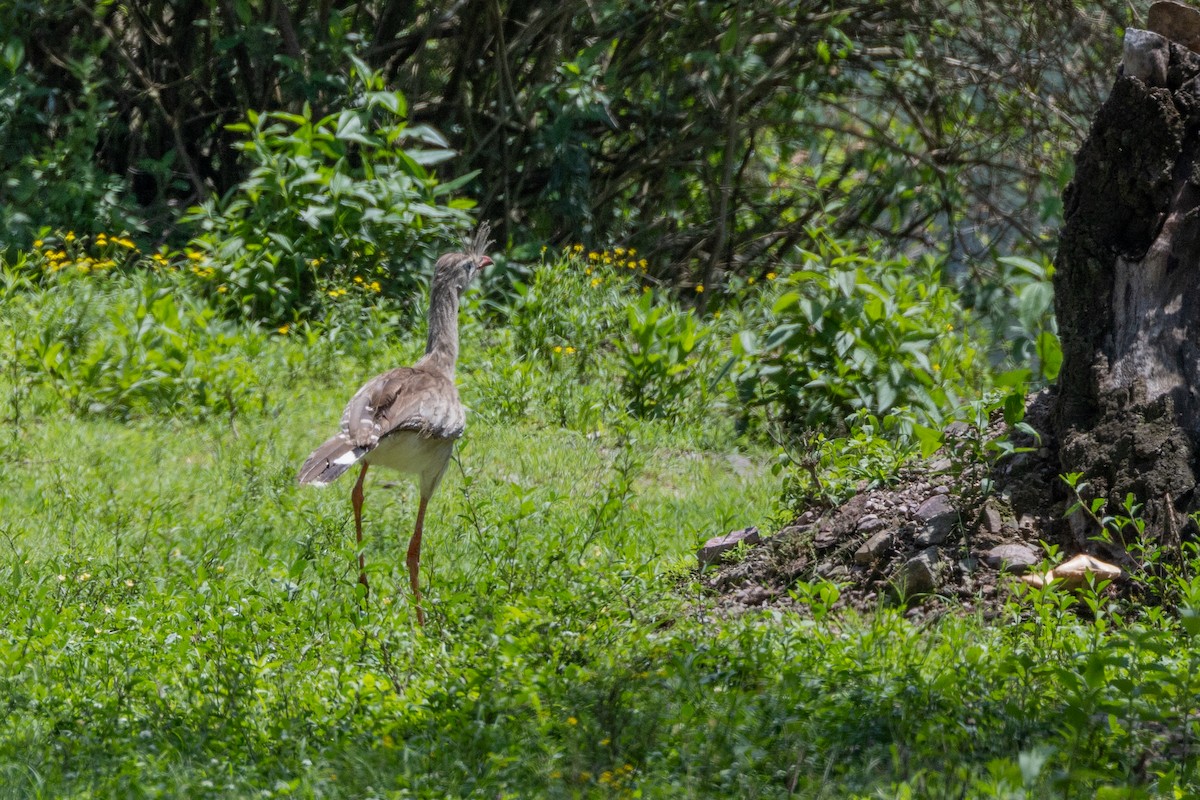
x,y
330,460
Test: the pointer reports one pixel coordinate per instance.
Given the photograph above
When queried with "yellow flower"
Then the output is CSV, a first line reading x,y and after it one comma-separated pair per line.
x,y
569,350
70,237
572,721
631,264
38,243
126,243
620,251
577,248
83,576
282,329
593,256
358,279
595,282
543,249
699,287
937,367
632,252
771,276
221,289
750,281
375,287
558,348
643,263
194,255
605,742
587,270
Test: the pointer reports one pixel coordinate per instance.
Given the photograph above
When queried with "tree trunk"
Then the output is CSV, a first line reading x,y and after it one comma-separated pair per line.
x,y
1127,289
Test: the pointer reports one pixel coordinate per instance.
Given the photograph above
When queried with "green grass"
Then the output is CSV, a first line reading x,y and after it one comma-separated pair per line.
x,y
179,619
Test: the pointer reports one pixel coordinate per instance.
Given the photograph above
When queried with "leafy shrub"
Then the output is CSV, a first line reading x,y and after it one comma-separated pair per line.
x,y
115,343
329,202
576,300
851,332
659,357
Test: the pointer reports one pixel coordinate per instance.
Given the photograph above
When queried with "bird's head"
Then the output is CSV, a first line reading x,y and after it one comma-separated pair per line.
x,y
457,270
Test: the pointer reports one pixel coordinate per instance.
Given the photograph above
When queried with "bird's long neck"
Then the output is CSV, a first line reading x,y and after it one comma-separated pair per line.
x,y
441,352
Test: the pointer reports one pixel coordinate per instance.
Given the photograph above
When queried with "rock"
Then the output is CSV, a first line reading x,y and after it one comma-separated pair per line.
x,y
941,465
938,517
933,508
870,523
941,490
1145,56
992,521
715,547
1015,558
1175,21
874,547
918,575
753,595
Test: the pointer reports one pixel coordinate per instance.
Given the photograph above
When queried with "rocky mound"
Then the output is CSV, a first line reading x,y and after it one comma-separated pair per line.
x,y
937,535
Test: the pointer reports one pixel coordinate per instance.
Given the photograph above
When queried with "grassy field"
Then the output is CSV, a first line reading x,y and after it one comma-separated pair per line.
x,y
180,619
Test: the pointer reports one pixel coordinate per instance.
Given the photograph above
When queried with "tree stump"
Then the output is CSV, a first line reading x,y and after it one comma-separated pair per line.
x,y
1127,282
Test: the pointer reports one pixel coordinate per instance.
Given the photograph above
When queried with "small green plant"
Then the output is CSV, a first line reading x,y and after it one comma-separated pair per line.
x,y
332,204
852,331
659,358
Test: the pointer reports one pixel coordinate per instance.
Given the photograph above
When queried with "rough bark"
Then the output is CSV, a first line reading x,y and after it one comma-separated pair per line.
x,y
1127,288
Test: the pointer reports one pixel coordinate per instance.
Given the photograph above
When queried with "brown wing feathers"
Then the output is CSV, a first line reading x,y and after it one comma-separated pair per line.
x,y
330,460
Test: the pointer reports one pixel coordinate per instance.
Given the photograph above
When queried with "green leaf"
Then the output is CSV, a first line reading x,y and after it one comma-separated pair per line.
x,y
930,439
1049,354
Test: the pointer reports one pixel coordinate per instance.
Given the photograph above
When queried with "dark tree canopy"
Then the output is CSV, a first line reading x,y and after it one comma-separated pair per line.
x,y
707,134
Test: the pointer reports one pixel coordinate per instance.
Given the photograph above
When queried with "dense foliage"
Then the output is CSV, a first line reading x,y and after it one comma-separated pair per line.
x,y
707,135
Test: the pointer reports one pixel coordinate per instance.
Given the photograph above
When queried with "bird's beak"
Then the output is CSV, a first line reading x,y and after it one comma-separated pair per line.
x,y
484,263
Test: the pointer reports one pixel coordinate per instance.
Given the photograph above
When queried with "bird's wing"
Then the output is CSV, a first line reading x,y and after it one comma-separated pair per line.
x,y
403,399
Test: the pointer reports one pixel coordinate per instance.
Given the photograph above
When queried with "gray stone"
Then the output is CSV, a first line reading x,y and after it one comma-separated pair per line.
x,y
932,534
1015,558
717,546
933,508
917,575
870,523
992,521
937,517
874,547
1145,56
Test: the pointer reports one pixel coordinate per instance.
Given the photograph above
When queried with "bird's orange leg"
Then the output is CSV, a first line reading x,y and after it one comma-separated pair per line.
x,y
356,499
414,559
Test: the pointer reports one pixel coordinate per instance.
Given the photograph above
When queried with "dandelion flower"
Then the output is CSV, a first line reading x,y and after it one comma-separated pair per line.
x,y
699,288
282,330
558,348
70,237
38,243
572,721
569,350
771,276
375,287
221,289
595,282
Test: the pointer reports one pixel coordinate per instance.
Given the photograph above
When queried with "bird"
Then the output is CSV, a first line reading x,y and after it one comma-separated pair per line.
x,y
408,418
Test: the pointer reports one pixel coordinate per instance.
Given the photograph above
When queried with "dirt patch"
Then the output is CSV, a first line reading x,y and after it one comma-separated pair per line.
x,y
931,539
